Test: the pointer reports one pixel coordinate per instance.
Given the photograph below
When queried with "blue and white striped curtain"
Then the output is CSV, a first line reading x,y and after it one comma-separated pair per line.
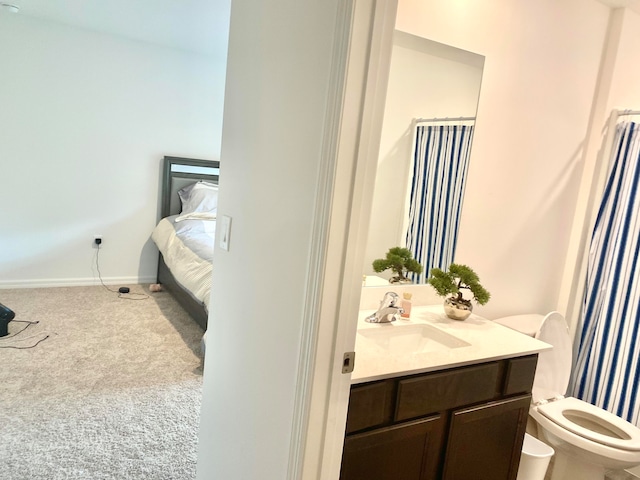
x,y
441,160
607,373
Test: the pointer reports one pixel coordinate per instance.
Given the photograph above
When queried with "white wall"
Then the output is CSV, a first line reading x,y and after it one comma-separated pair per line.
x,y
426,80
276,102
85,120
540,73
625,86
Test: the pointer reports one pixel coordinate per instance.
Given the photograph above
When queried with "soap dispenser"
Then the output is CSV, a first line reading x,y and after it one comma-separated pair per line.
x,y
406,305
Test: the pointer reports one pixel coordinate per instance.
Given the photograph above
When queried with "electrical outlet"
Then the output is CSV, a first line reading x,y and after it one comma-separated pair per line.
x,y
97,241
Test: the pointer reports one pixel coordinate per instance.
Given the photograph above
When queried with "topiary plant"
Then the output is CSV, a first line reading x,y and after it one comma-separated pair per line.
x,y
401,261
457,278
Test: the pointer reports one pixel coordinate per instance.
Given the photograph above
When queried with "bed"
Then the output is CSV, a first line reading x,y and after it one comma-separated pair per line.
x,y
185,232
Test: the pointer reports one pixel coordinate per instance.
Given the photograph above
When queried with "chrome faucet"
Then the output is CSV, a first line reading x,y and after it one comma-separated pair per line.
x,y
388,311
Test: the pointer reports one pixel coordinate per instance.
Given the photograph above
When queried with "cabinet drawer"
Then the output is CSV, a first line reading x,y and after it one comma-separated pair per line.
x,y
370,405
437,392
519,375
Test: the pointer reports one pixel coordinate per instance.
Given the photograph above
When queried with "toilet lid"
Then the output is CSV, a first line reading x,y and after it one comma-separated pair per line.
x,y
592,423
554,365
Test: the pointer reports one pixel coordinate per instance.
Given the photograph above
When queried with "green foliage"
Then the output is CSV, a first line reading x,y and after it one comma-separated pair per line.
x,y
400,260
457,278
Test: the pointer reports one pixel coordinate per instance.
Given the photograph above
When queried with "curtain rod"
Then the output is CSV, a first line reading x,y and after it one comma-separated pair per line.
x,y
445,119
622,113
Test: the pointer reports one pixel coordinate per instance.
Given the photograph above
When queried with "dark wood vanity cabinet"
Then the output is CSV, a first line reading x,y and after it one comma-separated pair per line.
x,y
464,423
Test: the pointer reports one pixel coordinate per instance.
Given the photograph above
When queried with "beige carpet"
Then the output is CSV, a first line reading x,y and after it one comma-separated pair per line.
x,y
112,391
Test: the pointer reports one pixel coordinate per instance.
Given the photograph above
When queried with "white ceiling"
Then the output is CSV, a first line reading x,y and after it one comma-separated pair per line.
x,y
632,4
196,25
616,3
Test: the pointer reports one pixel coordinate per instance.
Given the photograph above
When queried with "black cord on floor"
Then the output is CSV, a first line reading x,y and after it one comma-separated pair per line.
x,y
28,324
124,296
13,335
26,348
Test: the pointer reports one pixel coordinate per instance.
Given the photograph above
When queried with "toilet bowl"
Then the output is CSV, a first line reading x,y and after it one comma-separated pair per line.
x,y
587,439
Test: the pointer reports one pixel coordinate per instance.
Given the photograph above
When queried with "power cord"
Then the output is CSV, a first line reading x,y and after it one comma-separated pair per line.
x,y
28,324
26,348
124,295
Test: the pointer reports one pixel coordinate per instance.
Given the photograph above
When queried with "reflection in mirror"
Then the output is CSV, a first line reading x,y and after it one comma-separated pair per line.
x,y
428,81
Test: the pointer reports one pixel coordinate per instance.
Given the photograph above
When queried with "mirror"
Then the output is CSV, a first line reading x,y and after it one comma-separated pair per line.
x,y
427,80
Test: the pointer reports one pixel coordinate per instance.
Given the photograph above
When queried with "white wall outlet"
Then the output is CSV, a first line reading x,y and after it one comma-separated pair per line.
x,y
225,232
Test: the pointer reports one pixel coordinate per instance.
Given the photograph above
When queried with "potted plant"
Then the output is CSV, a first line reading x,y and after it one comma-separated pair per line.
x,y
450,285
401,261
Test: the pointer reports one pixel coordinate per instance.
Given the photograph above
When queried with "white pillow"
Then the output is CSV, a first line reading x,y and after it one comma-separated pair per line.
x,y
199,201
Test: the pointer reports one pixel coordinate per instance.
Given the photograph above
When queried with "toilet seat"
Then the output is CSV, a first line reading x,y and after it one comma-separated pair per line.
x,y
623,435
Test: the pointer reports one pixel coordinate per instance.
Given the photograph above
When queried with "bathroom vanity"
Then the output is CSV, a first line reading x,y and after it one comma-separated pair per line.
x,y
433,398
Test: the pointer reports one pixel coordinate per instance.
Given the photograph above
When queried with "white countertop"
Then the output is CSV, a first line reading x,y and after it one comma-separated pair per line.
x,y
477,340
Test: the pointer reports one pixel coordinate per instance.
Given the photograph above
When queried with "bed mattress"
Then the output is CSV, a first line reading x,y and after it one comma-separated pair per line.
x,y
187,250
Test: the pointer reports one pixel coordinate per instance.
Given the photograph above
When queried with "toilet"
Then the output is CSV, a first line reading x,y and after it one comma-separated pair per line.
x,y
587,440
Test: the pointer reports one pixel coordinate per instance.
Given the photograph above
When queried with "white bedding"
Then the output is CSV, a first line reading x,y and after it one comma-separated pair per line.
x,y
187,249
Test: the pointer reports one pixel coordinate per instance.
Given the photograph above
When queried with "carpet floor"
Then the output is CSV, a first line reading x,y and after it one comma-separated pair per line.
x,y
104,386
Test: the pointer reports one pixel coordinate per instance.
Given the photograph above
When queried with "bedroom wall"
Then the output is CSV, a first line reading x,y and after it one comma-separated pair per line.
x,y
540,74
86,119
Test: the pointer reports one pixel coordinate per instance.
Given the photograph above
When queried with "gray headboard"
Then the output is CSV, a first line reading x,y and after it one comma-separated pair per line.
x,y
178,173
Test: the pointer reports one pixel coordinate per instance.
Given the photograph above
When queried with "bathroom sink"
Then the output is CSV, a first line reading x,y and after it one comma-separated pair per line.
x,y
404,339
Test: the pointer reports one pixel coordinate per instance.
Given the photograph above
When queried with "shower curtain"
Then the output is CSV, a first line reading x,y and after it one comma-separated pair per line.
x,y
441,159
607,372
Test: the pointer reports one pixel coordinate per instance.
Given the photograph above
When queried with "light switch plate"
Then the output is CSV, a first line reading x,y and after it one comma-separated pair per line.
x,y
225,234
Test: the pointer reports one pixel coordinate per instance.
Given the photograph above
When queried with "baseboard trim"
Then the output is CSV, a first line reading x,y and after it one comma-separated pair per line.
x,y
74,282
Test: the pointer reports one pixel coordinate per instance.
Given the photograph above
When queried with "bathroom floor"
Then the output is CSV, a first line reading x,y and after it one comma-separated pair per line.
x,y
634,474
631,474
620,475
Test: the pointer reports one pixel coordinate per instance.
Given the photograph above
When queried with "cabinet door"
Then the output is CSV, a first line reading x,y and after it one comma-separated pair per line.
x,y
408,451
485,441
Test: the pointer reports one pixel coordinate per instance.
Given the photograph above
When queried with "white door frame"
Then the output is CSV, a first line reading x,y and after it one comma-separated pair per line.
x,y
362,55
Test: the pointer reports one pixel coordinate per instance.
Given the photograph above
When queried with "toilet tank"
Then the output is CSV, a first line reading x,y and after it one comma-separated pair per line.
x,y
528,323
